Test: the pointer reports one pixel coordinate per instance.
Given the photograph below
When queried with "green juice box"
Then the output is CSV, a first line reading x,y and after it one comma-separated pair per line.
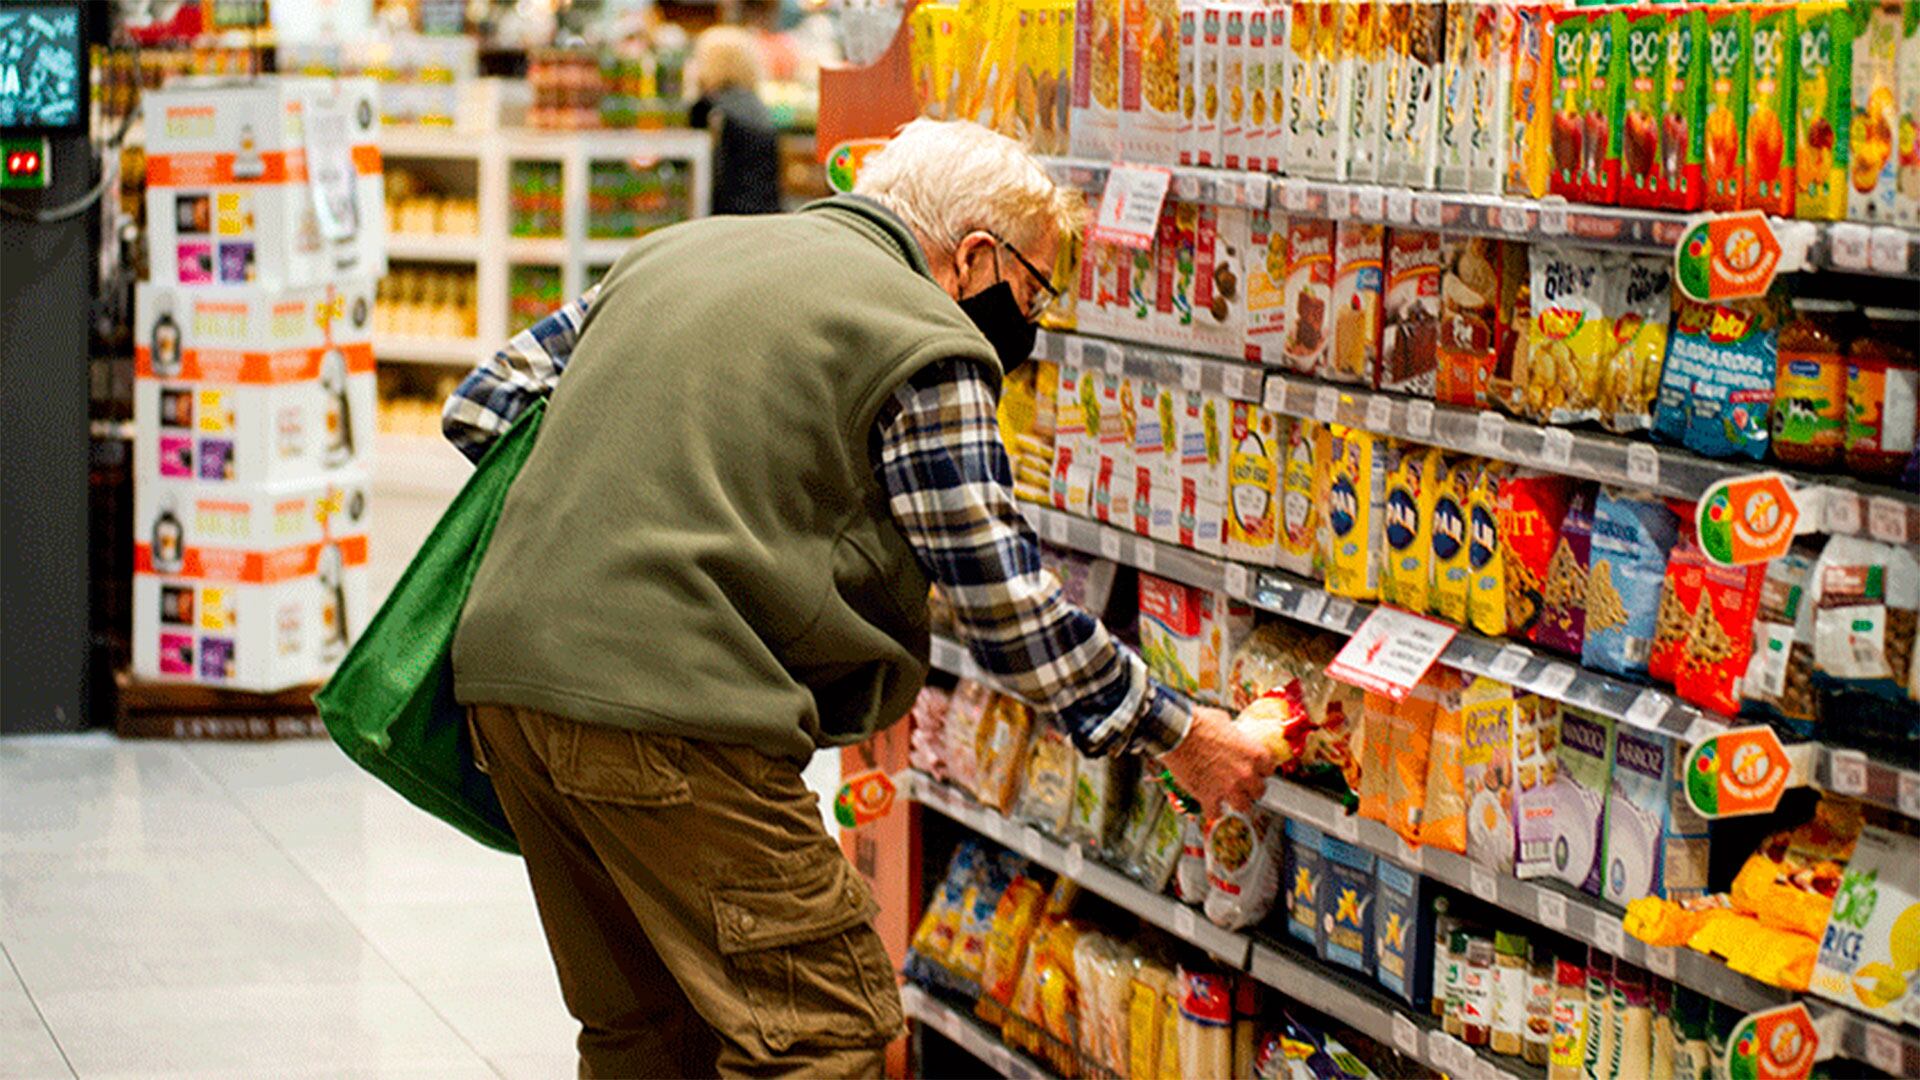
x,y
1824,104
1606,102
1683,128
1770,110
1642,165
1729,59
1873,157
1568,46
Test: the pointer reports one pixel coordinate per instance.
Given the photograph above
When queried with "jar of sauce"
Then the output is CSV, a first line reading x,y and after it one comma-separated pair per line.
x,y
1810,384
1883,381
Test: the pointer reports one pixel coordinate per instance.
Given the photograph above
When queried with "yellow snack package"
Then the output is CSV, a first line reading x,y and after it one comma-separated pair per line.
x,y
1169,1031
1447,533
1253,484
1299,509
1486,560
1013,925
1570,337
1413,484
1356,518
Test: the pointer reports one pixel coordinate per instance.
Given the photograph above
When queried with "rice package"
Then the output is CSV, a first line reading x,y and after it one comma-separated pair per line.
x,y
1305,874
1720,638
1202,420
1356,512
1679,598
1101,787
1075,447
1447,529
1410,313
1254,440
1639,306
1716,390
1570,336
1632,534
1346,905
1486,553
1563,596
1443,816
1536,764
1359,256
1410,731
1486,724
1532,507
1864,597
1577,800
1243,867
1303,475
1656,845
1413,485
1309,292
1779,679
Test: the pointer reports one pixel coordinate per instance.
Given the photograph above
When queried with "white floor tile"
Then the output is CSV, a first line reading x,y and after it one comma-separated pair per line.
x,y
526,1019
462,1068
27,1049
71,794
535,1066
482,941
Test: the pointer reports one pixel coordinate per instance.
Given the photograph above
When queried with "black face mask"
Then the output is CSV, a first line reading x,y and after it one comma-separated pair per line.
x,y
997,315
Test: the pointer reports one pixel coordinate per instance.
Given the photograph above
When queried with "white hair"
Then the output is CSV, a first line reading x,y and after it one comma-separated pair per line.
x,y
947,178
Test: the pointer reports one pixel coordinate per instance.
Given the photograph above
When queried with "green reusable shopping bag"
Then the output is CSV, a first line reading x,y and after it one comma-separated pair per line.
x,y
390,704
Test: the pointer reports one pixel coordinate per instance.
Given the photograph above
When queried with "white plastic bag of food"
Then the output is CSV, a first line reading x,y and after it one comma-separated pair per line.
x,y
1243,868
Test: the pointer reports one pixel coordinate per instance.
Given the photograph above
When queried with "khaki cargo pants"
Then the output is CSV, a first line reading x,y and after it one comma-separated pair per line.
x,y
701,920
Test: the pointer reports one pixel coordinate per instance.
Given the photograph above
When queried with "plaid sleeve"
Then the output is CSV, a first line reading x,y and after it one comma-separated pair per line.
x,y
950,488
493,394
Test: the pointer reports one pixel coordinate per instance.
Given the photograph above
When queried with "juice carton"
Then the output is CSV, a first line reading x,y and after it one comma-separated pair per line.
x,y
1656,844
1359,252
1683,127
1569,49
1770,111
1868,953
1075,447
1906,199
1420,108
1529,153
1643,167
1253,484
1395,19
1493,26
1333,93
1188,634
1189,57
1606,102
1309,290
1233,85
1454,138
1303,465
1202,422
1206,74
1303,39
1823,99
1279,48
1094,125
1575,805
1156,462
1873,170
1253,68
1362,54
1729,70
1356,512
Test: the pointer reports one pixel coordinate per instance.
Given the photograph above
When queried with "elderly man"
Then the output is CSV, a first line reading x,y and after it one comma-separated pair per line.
x,y
772,435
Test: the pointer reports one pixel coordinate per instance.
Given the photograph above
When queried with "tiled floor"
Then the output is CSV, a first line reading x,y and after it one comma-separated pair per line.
x,y
222,909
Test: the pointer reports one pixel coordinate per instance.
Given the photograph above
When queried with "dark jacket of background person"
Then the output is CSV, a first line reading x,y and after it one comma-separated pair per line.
x,y
746,156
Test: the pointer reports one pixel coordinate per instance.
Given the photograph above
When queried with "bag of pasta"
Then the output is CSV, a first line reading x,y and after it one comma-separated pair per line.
x,y
1261,663
1373,746
1243,868
1101,788
1047,793
1532,507
1006,732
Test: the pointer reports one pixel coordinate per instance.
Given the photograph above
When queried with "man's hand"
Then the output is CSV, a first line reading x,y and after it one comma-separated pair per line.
x,y
1220,761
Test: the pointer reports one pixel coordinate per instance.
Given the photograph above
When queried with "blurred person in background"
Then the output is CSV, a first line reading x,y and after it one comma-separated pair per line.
x,y
725,75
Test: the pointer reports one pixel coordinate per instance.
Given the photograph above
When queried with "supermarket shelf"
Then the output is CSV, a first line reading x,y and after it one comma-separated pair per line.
x,y
969,1034
463,352
1847,246
1161,910
953,658
537,249
422,143
1853,773
430,247
1233,378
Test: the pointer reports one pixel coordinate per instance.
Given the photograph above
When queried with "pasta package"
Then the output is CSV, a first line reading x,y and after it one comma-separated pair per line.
x,y
1632,534
1679,598
1563,596
1569,336
1145,993
1716,390
1301,520
1413,486
1013,924
1205,1032
1243,868
1005,734
1639,305
1443,817
1720,638
1447,528
1486,725
1375,738
1305,873
1532,506
1486,552
1359,256
1190,873
962,733
1253,484
1779,679
1100,787
1410,313
1356,512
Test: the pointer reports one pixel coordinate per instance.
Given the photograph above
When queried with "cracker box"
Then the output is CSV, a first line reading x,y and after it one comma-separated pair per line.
x,y
1305,874
1253,69
1189,57
1366,68
1873,168
275,183
1233,85
1403,933
1605,101
251,587
1410,313
1492,28
1356,512
1683,128
1202,420
246,384
1113,476
1641,166
1571,824
1867,956
1346,905
1420,100
1359,255
1486,726
1455,137
1308,291
1206,73
1076,448
1771,142
1529,154
1255,438
1094,125
1729,70
1906,59
1302,479
1656,845
1823,104
1333,93
1568,47
1413,484
1301,131
1156,462
1265,274
1188,634
1452,572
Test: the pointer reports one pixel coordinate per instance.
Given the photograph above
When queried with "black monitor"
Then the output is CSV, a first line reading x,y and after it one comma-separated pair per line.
x,y
43,65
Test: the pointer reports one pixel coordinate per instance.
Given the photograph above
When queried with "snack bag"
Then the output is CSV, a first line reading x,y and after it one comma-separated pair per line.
x,y
1447,529
1486,551
1864,597
1046,796
1720,638
1569,51
1469,319
1875,152
1563,616
1356,513
1300,520
1410,313
1266,276
1569,335
1486,719
1641,168
1823,100
1532,507
1683,128
1255,438
1359,251
1729,70
1530,113
1639,303
1632,534
1413,484
1679,600
1443,815
1243,867
1779,681
1771,141
1309,290
1716,391
1374,738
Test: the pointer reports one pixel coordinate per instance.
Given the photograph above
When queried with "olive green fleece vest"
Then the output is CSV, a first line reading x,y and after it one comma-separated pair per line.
x,y
698,545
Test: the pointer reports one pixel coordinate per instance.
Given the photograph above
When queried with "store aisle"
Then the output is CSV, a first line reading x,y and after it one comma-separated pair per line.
x,y
255,909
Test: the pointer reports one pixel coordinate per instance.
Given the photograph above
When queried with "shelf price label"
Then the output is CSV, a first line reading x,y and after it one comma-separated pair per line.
x,y
1643,466
1747,519
1556,681
1379,413
1887,252
1883,1051
1129,214
1774,1044
1482,883
1740,771
1369,203
1490,432
1419,419
1847,772
1887,520
1847,244
1909,793
1144,555
1184,924
1326,405
1238,581
1399,206
1556,447
1406,1035
1390,652
1552,909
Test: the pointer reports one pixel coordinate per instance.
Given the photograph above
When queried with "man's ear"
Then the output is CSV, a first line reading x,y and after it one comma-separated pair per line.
x,y
974,259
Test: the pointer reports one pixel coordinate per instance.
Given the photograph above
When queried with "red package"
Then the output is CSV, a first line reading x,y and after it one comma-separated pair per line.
x,y
1720,637
1532,507
1679,599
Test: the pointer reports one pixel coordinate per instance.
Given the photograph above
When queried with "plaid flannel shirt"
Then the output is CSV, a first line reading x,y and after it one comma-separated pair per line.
x,y
936,448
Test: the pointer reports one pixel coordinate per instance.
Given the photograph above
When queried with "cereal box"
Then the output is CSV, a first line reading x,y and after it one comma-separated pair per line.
x,y
1303,466
1346,905
1279,47
1202,420
1305,873
1395,21
1575,804
1359,251
1410,313
1189,97
1206,73
1361,40
1729,71
1308,290
1641,168
1563,596
1569,337
1413,487
1771,142
1156,462
1186,633
1094,126
1656,845
1486,554
1253,484
1493,26
1356,512
1454,140
1265,274
1569,51
1486,725
1169,301
1447,528
1627,559
1536,764
1529,126
1253,127
1868,953
1532,507
1332,92
1906,200
1469,318
1233,84
1873,168
1111,414
1823,102
1716,391
1420,105
1606,75
1683,126
1075,448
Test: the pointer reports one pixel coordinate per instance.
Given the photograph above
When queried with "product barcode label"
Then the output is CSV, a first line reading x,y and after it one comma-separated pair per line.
x,y
1842,516
1369,203
1847,772
1339,613
1887,520
1482,883
1110,545
1556,681
1419,419
1326,405
1339,203
1412,855
1888,252
1608,935
1910,793
995,827
1310,605
1647,709
1184,924
1427,211
1884,1051
1379,413
1643,465
1191,374
1556,447
1239,582
1294,196
1848,245
1553,219
1406,1035
1399,205
1552,910
1508,662
1661,961
1144,555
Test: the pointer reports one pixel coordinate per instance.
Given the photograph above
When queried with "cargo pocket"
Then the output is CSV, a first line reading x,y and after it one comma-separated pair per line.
x,y
812,969
612,765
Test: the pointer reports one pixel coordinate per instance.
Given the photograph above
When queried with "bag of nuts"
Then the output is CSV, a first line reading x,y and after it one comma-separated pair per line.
x,y
1779,681
1865,597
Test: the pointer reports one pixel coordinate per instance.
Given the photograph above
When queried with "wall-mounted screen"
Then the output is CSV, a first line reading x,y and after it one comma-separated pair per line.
x,y
43,70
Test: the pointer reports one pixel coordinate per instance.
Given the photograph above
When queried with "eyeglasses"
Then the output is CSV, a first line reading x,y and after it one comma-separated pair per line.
x,y
1044,293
